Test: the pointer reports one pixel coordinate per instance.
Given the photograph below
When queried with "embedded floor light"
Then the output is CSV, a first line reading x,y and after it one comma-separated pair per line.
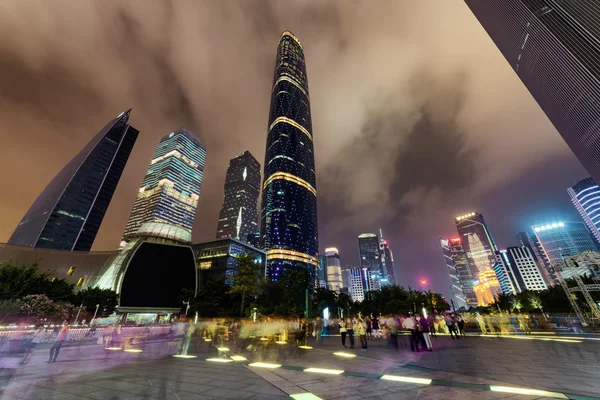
x,y
222,360
305,347
280,342
238,358
222,348
264,365
341,354
305,396
530,392
325,371
113,348
407,379
184,356
134,350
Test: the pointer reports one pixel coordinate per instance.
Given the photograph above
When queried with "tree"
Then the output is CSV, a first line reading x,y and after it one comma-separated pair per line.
x,y
41,308
246,280
294,283
435,301
515,303
20,280
90,297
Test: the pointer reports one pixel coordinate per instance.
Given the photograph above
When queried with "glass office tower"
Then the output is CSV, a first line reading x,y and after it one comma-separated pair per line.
x,y
334,269
554,48
289,199
461,280
171,188
387,260
239,213
68,213
370,257
585,196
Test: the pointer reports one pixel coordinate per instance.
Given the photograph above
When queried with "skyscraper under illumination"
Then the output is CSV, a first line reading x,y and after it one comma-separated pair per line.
x,y
289,198
239,213
68,213
370,257
387,260
334,269
585,196
554,48
171,188
461,280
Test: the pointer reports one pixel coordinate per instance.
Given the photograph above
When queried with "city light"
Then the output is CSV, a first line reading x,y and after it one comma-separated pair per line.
x,y
465,216
547,227
406,379
342,354
325,371
238,358
264,365
530,392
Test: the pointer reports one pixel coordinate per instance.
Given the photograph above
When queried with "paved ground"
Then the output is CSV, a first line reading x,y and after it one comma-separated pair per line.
x,y
457,368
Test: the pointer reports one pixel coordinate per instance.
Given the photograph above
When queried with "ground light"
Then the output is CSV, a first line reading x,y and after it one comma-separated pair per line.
x,y
280,342
264,365
113,348
305,396
207,339
222,360
134,350
325,371
305,347
406,379
530,392
184,356
238,358
222,348
347,355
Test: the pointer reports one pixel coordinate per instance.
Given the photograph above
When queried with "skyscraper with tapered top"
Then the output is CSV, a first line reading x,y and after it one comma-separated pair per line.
x,y
68,213
387,261
289,199
171,188
239,213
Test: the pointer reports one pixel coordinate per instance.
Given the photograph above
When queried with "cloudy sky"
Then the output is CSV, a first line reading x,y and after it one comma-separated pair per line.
x,y
417,117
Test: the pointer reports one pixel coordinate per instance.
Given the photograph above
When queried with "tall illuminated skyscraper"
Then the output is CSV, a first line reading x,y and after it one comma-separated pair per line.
x,y
480,250
370,257
289,198
461,280
585,196
171,188
334,269
554,48
68,213
387,260
239,213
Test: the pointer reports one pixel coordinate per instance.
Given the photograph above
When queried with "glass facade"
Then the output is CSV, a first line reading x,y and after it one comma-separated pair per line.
x,y
558,239
370,257
554,48
239,213
334,269
461,280
387,261
585,196
289,199
521,270
68,213
530,241
171,188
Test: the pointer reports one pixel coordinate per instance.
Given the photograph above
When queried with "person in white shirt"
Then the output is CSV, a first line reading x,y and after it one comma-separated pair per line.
x,y
343,331
410,324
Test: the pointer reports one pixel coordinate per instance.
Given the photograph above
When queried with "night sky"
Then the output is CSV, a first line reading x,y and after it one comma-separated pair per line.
x,y
417,117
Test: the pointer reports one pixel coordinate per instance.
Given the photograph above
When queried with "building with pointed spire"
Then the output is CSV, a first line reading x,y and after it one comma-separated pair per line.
x,y
70,210
387,260
289,232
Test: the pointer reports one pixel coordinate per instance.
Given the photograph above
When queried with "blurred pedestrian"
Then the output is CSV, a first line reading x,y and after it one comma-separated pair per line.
x,y
38,336
375,327
58,342
361,330
319,328
460,323
342,324
481,323
350,332
425,328
410,324
450,325
369,328
393,326
431,325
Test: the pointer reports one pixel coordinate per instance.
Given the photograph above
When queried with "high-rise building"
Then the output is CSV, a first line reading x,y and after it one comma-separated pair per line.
x,y
387,260
171,188
480,249
322,272
560,239
554,48
68,213
334,269
529,240
370,257
460,273
585,196
520,271
239,213
360,282
289,198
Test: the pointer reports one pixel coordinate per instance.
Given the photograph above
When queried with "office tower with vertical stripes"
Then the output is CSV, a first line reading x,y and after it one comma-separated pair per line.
x,y
68,213
585,196
239,212
554,48
289,198
171,188
387,261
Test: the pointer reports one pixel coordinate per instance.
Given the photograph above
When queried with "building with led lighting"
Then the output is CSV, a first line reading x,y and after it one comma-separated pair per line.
x,y
461,280
529,240
518,271
561,239
370,257
334,269
360,282
289,232
239,213
486,287
554,47
585,196
322,272
480,249
387,261
171,188
68,213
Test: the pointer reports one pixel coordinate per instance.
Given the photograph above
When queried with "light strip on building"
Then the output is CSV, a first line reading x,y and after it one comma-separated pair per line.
x,y
530,392
290,178
292,256
293,82
325,371
291,122
290,34
407,379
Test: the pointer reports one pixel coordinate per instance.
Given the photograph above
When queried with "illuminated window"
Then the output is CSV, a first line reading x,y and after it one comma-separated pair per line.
x,y
70,271
80,282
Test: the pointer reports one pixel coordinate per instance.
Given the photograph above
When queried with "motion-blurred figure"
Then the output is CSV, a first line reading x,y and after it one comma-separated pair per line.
x,y
58,342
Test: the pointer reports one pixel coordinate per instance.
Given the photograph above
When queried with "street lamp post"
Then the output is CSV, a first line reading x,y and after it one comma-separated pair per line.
x,y
95,312
79,311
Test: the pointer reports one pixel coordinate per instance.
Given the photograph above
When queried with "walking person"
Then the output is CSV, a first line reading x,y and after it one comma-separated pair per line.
x,y
393,331
37,337
361,330
375,327
450,326
460,322
58,342
319,327
425,329
481,323
431,325
409,324
350,332
342,324
369,324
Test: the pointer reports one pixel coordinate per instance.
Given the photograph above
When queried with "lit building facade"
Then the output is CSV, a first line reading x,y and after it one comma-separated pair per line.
x,y
460,273
486,287
217,259
239,213
387,261
568,238
68,213
519,271
553,46
322,272
370,257
360,281
289,232
334,269
170,190
480,249
585,196
529,240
